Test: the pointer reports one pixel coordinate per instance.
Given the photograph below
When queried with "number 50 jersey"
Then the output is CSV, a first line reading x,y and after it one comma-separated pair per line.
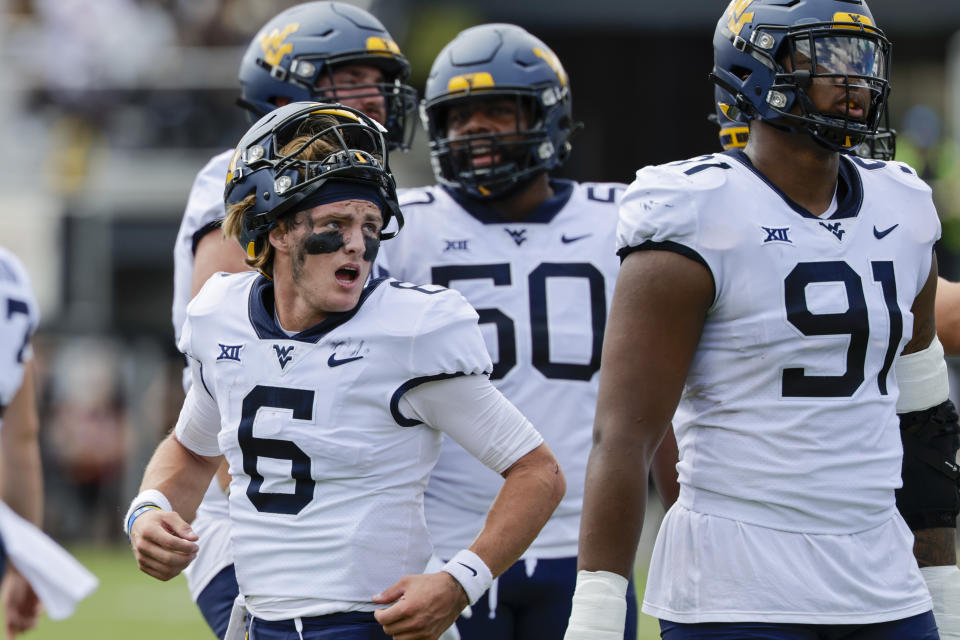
x,y
541,287
788,418
327,473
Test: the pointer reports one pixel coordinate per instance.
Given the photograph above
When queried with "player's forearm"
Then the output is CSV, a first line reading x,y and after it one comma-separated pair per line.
x,y
935,547
614,502
533,488
22,477
181,475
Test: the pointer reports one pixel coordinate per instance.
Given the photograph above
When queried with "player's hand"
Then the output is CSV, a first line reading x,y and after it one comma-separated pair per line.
x,y
163,543
21,606
424,606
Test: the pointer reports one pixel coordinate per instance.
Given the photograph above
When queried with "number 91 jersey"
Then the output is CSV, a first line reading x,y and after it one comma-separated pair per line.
x,y
327,472
541,287
18,319
788,417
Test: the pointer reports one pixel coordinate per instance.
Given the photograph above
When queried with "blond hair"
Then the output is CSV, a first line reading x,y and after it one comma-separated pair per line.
x,y
260,255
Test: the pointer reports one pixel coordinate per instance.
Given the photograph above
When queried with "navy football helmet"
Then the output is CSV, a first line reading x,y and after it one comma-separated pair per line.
x,y
306,43
768,52
498,61
281,182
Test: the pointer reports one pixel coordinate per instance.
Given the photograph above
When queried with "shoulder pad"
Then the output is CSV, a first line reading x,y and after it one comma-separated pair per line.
x,y
423,307
702,173
603,192
900,172
217,290
412,196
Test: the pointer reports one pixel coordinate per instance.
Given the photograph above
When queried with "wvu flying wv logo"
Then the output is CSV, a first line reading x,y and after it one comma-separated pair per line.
x,y
273,46
519,235
737,15
283,354
834,228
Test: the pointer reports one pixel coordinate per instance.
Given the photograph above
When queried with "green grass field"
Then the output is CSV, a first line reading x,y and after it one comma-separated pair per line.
x,y
130,604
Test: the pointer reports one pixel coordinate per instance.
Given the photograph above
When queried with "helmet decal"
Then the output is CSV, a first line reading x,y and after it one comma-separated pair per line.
x,y
273,45
551,59
856,18
738,16
377,44
468,81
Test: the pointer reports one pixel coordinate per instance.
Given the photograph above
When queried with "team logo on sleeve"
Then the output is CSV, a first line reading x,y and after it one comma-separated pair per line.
x,y
229,352
283,354
777,234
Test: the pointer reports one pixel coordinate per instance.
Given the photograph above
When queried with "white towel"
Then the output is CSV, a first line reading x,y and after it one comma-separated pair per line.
x,y
57,578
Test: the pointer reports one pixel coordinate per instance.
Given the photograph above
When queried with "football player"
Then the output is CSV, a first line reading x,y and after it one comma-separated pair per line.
x,y
935,546
316,50
532,254
33,558
769,291
328,400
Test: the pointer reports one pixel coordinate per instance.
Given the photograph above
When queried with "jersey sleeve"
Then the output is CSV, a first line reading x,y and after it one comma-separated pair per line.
x,y
660,211
199,423
493,430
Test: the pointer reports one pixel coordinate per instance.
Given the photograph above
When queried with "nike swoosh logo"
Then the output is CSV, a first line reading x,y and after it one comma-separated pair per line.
x,y
468,567
333,362
565,240
879,235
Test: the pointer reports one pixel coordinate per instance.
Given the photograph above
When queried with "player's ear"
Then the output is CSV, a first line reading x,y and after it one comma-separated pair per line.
x,y
280,237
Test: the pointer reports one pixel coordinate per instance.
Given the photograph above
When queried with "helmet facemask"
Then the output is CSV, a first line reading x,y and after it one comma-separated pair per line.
x,y
281,181
399,99
824,54
513,158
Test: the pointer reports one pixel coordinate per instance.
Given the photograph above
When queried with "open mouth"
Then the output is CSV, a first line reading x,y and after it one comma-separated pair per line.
x,y
851,109
347,275
483,157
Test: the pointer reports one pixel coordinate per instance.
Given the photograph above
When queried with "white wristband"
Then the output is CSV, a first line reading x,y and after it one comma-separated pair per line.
x,y
599,610
944,585
471,572
922,379
148,497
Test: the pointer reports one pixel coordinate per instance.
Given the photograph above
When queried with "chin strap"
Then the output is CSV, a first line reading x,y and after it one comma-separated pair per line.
x,y
252,108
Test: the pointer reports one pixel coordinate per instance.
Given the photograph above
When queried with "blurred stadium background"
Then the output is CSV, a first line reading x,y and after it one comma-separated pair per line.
x,y
110,107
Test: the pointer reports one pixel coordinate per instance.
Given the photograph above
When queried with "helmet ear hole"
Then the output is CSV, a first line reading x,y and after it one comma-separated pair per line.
x,y
741,72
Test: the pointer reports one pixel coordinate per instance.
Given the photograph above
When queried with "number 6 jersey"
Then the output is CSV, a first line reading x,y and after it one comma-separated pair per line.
x,y
787,419
327,472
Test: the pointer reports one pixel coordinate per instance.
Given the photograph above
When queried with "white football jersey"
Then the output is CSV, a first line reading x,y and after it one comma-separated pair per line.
x,y
327,473
787,420
18,319
204,208
542,289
